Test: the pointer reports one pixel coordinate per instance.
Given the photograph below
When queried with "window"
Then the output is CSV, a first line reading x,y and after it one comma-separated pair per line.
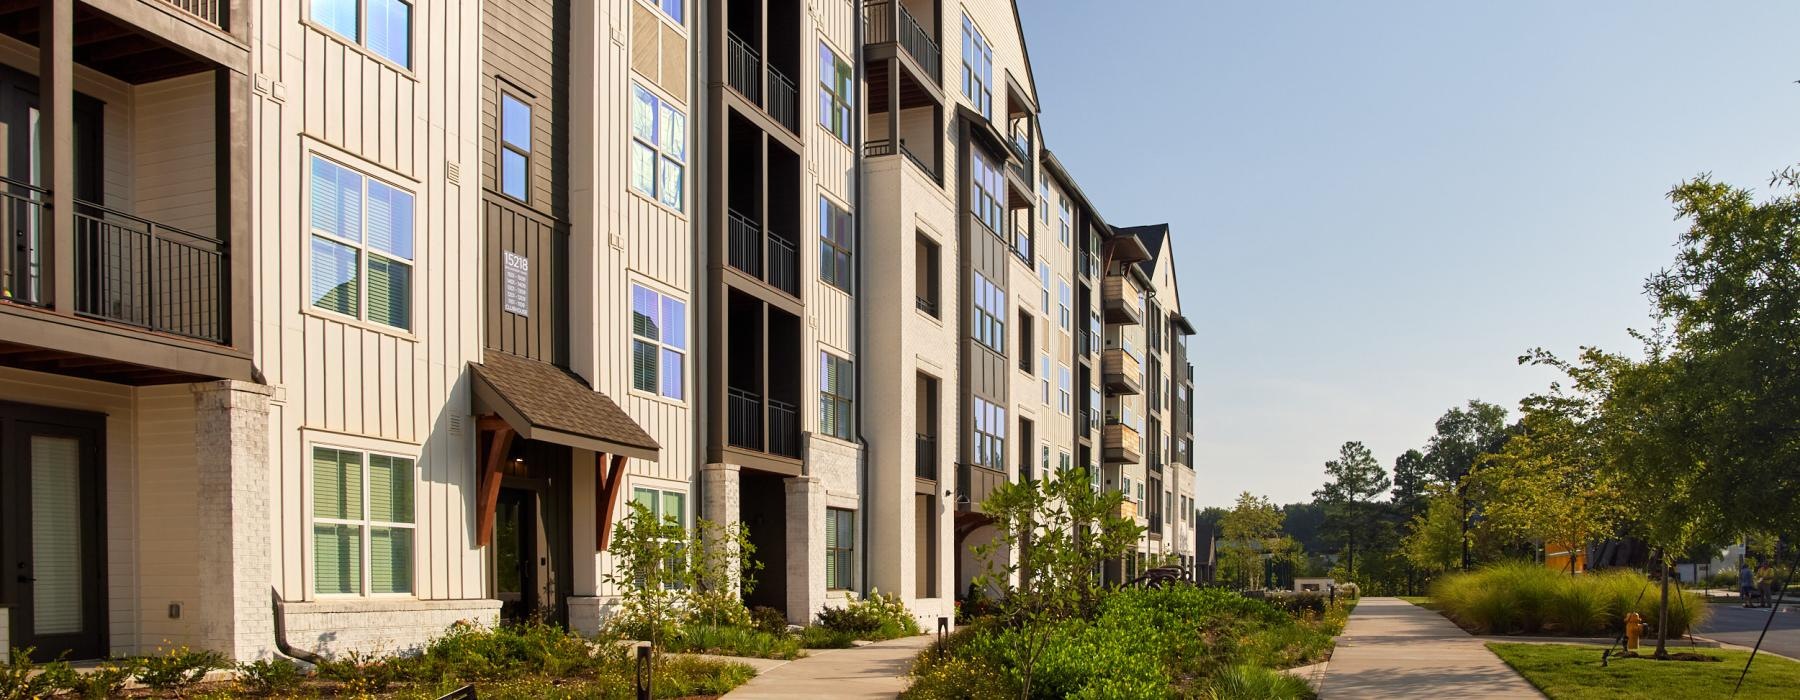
x,y
673,9
362,523
515,147
388,25
1044,376
1021,236
1065,298
1045,469
990,435
840,548
1125,487
658,342
978,69
989,322
1064,462
836,384
1044,277
836,88
925,276
984,197
1065,398
834,245
1140,491
1093,332
1025,338
665,507
1065,224
1044,201
362,246
1025,443
658,148
1093,422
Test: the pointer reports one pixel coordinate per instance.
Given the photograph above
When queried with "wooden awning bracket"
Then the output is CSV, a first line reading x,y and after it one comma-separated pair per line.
x,y
489,495
609,479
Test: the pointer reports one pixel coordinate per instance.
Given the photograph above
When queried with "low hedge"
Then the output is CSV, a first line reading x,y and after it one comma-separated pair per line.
x,y
1528,598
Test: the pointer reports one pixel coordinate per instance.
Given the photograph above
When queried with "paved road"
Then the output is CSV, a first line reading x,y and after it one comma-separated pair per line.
x,y
1736,625
1394,649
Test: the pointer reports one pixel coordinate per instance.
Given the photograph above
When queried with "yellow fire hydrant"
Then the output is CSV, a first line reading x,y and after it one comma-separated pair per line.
x,y
1634,628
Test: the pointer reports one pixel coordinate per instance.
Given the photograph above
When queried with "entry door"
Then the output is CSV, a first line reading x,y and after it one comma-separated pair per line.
x,y
23,258
515,554
53,578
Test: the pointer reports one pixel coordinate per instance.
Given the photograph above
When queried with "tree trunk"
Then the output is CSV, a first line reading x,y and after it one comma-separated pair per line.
x,y
1662,617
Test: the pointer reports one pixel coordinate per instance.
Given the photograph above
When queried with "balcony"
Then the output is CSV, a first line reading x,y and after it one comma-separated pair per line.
x,y
784,100
1120,444
1120,372
1127,509
925,457
211,11
754,423
878,148
762,254
973,486
746,72
1120,301
888,22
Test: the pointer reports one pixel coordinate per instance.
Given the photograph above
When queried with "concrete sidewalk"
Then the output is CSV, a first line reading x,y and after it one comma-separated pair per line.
x,y
1394,649
873,671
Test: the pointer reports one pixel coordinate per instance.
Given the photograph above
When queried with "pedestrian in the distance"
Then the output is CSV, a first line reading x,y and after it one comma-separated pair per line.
x,y
1765,582
1746,581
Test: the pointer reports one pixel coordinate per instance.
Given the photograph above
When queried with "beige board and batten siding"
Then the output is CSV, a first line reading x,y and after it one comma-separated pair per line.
x,y
351,383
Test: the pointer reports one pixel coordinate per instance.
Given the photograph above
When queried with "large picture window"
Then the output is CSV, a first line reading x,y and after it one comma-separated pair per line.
x,y
658,342
989,321
362,245
990,435
840,548
658,148
834,245
362,522
837,84
383,26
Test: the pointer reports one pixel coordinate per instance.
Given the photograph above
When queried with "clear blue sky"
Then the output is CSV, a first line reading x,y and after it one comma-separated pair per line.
x,y
1378,206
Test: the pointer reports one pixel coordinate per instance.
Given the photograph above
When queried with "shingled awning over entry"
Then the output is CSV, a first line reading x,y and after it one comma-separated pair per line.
x,y
544,402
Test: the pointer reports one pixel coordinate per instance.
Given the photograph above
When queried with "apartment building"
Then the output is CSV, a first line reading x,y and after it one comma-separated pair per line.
x,y
326,325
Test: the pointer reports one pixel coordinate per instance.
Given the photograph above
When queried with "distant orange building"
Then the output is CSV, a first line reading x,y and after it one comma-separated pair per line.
x,y
1556,556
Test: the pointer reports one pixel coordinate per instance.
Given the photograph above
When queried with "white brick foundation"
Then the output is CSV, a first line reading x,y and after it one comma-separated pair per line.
x,y
805,548
587,614
5,635
331,628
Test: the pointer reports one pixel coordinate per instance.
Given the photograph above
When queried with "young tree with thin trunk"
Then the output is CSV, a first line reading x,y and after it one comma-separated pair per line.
x,y
1357,479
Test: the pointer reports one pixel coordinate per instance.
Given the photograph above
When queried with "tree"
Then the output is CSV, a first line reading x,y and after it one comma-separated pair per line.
x,y
1251,529
1548,484
1463,436
1411,475
1051,536
648,570
1434,541
1356,480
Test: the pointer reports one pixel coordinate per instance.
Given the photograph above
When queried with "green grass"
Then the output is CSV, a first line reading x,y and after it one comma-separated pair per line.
x,y
1569,671
1526,598
1423,601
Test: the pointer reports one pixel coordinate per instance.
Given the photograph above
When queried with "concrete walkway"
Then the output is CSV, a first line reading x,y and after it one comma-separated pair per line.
x,y
1394,649
874,671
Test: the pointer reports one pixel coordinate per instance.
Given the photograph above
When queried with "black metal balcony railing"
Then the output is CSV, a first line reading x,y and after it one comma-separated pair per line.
x,y
784,265
784,100
929,306
743,68
138,272
744,425
22,278
209,10
784,429
877,148
744,239
925,457
886,21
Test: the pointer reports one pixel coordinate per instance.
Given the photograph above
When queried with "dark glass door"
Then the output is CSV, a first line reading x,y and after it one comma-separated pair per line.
x,y
515,554
50,530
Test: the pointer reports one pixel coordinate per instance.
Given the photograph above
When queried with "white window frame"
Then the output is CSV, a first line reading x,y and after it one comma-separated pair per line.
x,y
656,500
839,105
362,247
1065,299
361,36
366,524
1065,396
659,343
660,157
978,78
844,404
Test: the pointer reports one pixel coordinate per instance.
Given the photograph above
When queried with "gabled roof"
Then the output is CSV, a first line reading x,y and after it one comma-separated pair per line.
x,y
545,402
1157,238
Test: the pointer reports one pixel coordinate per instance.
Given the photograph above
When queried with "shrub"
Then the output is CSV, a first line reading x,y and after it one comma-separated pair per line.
x,y
875,618
362,673
1524,597
178,668
270,676
1298,603
471,652
1243,681
735,641
23,678
821,637
106,680
768,619
957,678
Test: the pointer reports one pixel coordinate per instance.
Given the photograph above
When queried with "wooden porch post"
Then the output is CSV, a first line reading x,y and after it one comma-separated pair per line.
x,y
56,124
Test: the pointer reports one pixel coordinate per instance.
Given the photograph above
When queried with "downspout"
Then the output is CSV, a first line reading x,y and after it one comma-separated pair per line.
x,y
856,286
281,642
699,419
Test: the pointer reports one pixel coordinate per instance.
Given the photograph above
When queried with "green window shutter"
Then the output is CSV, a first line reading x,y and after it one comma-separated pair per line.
x,y
390,560
337,559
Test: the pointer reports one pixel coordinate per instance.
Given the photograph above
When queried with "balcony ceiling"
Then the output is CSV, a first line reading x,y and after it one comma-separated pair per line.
x,y
104,369
105,44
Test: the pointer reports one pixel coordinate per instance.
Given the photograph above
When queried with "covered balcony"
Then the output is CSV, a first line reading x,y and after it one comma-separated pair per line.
x,y
973,486
761,401
762,218
1120,444
1121,372
1121,300
762,56
119,191
904,29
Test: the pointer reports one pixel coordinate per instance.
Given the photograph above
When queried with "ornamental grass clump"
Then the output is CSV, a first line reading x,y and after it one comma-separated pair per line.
x,y
1527,598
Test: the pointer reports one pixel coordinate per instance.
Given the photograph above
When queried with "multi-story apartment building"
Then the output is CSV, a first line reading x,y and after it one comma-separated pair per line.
x,y
388,309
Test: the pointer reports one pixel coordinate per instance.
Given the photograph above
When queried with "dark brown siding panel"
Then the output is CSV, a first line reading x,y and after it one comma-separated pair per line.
x,y
507,227
526,48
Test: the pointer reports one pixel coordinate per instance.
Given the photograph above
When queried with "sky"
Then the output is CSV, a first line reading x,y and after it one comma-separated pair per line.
x,y
1378,206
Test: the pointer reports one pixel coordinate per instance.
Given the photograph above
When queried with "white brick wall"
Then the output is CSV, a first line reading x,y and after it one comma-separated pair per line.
x,y
332,628
5,632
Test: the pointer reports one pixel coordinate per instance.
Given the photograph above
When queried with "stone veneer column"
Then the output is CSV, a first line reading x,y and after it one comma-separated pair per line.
x,y
231,447
805,548
720,493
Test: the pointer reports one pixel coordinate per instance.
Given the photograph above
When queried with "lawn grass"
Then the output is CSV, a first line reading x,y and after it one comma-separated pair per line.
x,y
1423,601
1570,671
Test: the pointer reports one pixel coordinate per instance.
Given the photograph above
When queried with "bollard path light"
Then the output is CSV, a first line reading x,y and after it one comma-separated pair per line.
x,y
643,672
